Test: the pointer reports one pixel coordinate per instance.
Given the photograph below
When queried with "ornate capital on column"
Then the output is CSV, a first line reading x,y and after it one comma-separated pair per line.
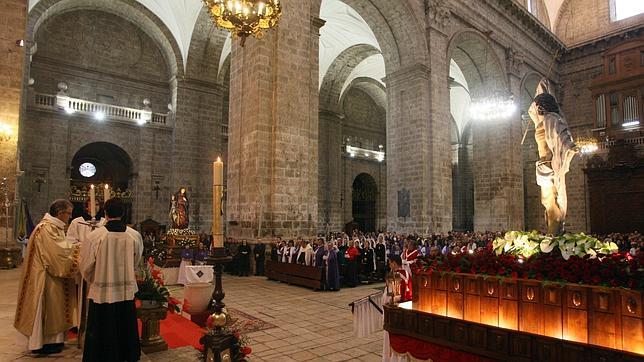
x,y
438,14
316,24
514,61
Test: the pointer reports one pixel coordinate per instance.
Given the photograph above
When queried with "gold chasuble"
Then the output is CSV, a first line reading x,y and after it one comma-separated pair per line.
x,y
47,275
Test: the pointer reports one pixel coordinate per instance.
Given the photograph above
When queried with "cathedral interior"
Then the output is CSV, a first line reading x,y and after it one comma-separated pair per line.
x,y
404,116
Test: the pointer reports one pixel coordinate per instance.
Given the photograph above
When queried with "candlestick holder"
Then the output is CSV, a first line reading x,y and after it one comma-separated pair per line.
x,y
217,343
9,256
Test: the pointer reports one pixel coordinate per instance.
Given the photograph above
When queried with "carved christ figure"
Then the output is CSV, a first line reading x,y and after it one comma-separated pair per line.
x,y
556,151
179,209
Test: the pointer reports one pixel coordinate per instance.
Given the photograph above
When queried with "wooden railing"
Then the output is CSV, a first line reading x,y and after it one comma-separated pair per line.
x,y
600,316
306,276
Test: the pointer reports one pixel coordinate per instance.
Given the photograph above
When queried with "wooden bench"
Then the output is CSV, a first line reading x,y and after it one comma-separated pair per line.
x,y
302,275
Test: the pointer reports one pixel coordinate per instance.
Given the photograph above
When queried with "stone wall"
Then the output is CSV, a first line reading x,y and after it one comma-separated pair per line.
x,y
78,48
581,21
14,15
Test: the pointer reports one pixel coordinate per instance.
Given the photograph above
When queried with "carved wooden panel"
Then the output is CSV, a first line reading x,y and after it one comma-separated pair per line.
x,y
632,322
552,311
604,327
575,321
472,307
530,308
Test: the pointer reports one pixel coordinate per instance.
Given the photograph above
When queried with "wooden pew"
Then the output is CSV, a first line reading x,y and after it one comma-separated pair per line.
x,y
302,275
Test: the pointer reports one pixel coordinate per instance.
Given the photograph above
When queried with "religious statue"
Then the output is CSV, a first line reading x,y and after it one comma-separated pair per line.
x,y
556,151
180,209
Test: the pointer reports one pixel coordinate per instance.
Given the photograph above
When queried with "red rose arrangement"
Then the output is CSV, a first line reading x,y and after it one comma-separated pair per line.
x,y
614,270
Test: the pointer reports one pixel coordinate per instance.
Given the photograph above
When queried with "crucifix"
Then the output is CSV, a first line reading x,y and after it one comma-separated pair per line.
x,y
156,188
40,181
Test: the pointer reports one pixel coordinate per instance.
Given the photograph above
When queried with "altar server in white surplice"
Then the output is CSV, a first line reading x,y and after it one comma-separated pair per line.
x,y
109,260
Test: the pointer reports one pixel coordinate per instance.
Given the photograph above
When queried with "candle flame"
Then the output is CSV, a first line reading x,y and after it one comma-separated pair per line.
x,y
218,159
92,185
107,186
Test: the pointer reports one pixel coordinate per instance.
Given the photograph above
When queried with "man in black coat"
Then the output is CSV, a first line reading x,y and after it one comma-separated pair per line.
x,y
259,251
243,252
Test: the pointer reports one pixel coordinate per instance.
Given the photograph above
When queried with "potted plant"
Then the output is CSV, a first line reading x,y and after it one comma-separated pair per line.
x,y
152,291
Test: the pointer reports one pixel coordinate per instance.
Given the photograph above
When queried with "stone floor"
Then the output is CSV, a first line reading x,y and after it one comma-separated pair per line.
x,y
310,326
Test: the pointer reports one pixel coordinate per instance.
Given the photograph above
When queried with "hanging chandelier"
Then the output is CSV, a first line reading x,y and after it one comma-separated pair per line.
x,y
493,108
245,17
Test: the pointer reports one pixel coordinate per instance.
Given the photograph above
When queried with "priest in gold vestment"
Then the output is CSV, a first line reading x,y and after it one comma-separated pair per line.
x,y
46,296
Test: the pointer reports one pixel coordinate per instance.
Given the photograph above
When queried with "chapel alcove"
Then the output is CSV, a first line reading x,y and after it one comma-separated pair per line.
x,y
101,163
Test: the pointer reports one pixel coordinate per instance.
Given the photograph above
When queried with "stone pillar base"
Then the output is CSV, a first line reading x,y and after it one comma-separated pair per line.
x,y
151,340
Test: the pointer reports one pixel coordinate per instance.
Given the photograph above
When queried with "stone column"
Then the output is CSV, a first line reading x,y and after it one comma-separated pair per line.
x,y
273,129
12,28
197,143
331,174
418,142
409,150
498,168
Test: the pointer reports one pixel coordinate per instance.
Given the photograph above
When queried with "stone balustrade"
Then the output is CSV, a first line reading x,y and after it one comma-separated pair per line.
x,y
100,111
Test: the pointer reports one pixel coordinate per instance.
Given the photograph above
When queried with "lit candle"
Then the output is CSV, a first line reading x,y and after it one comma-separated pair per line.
x,y
106,193
217,194
92,201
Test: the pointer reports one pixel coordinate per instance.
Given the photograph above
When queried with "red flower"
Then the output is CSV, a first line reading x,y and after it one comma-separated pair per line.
x,y
237,336
246,351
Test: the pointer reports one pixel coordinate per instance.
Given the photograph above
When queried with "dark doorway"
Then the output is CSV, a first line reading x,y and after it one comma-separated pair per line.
x,y
616,190
363,196
101,163
462,181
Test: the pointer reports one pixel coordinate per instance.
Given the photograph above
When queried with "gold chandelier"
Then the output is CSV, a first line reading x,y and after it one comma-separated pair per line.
x,y
245,17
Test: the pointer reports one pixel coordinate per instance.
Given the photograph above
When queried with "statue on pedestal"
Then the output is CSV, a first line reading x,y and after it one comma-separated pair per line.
x,y
556,151
180,209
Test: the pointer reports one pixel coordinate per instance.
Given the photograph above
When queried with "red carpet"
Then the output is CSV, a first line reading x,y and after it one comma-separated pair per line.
x,y
179,331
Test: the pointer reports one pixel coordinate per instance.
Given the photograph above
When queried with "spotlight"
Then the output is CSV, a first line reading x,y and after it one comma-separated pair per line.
x,y
69,110
99,116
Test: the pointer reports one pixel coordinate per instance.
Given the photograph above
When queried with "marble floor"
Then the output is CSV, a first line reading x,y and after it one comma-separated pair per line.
x,y
310,326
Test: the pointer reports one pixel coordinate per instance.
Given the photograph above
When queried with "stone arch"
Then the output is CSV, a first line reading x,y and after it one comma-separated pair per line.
x,y
116,162
399,31
206,49
339,71
529,84
112,165
374,89
223,76
123,149
476,198
130,10
480,64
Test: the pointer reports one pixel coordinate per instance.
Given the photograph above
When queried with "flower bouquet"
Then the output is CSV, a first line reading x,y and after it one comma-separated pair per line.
x,y
152,289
